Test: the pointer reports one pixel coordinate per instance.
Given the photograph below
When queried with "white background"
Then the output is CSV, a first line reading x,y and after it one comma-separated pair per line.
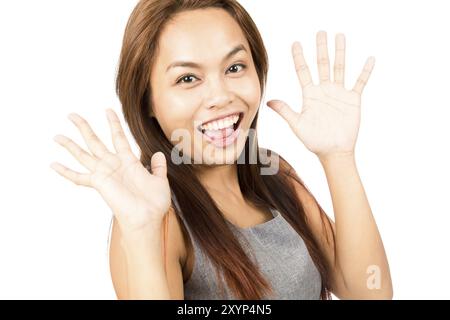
x,y
59,57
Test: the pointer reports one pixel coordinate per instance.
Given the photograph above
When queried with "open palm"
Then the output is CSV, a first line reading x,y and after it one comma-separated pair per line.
x,y
136,196
330,117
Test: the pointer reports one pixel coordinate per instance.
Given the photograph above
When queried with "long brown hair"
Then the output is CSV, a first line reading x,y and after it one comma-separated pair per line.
x,y
208,225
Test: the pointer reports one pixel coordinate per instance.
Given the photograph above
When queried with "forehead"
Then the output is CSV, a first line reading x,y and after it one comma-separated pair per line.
x,y
201,35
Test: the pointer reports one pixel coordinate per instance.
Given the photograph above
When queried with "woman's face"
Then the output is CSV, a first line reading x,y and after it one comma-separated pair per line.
x,y
204,71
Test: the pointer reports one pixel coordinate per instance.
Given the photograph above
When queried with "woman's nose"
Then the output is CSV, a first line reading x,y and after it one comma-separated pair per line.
x,y
218,93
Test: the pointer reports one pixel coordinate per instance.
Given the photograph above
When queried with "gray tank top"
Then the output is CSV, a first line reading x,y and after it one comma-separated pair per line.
x,y
280,254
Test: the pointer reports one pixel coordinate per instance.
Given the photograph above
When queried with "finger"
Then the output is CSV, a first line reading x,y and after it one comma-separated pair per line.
x,y
284,110
339,61
119,139
93,142
80,179
158,165
365,75
323,61
303,73
85,158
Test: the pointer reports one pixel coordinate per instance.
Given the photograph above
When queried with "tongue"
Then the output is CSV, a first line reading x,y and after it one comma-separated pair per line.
x,y
219,134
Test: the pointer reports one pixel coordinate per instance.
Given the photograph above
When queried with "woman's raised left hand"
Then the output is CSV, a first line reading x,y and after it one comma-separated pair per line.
x,y
329,120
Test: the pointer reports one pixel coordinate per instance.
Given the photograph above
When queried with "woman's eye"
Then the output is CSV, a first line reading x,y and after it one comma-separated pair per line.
x,y
237,65
185,79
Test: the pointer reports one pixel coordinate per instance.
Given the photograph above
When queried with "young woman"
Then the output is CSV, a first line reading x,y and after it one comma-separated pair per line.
x,y
218,227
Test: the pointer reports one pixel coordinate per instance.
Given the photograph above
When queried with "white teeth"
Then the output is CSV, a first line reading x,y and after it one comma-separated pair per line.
x,y
221,124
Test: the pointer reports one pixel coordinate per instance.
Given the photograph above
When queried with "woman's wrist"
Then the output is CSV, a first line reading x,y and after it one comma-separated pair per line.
x,y
142,236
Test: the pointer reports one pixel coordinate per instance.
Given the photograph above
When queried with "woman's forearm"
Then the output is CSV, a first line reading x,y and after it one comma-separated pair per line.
x,y
359,248
146,277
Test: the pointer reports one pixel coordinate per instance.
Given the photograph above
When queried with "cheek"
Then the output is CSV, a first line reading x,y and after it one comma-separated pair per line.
x,y
174,112
249,90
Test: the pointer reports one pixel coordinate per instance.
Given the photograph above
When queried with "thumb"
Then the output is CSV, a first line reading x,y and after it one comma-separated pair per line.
x,y
283,109
159,165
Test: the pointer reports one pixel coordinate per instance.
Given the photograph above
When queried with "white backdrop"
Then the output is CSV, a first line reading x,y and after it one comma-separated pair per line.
x,y
59,57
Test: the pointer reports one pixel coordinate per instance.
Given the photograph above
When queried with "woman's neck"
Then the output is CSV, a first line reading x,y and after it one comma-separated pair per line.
x,y
221,180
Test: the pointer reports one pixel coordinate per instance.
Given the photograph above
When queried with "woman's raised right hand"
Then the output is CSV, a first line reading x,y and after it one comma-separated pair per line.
x,y
136,197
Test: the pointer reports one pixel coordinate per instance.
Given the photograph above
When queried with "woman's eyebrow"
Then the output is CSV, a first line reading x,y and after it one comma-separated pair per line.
x,y
198,66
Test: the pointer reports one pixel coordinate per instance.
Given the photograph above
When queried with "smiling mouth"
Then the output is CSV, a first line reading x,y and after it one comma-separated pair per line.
x,y
224,134
235,126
